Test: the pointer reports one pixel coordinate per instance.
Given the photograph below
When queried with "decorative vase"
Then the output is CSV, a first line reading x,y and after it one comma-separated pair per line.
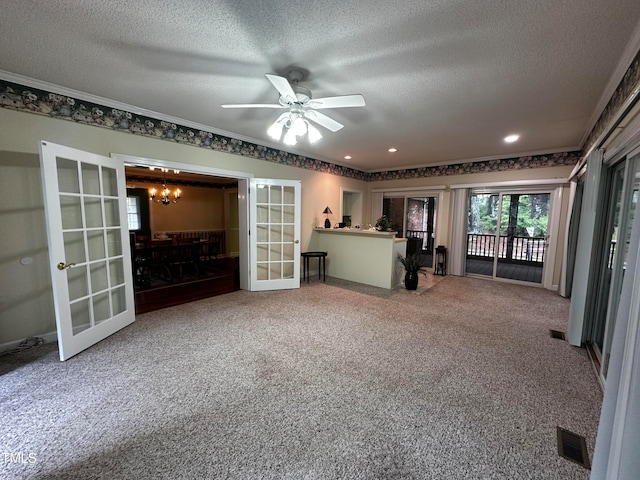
x,y
411,280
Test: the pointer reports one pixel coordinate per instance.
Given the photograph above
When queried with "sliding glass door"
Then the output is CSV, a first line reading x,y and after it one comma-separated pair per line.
x,y
622,186
507,235
481,233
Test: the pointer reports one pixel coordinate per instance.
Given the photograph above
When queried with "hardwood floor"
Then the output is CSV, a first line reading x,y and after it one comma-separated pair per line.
x,y
161,291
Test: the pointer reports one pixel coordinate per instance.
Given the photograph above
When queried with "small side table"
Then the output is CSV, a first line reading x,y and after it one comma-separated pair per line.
x,y
322,266
441,260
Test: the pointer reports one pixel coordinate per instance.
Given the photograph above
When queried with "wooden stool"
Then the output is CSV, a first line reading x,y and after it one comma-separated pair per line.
x,y
322,266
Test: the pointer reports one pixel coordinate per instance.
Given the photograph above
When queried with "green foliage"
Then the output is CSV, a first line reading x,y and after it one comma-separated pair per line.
x,y
530,213
383,224
412,262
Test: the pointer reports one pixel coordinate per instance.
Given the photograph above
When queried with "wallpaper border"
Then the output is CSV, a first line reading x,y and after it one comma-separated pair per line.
x,y
622,93
22,98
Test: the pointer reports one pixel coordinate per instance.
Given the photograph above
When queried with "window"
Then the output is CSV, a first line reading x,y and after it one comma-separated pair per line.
x,y
133,213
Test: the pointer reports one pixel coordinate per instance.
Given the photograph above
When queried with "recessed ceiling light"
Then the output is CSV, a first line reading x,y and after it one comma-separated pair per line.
x,y
511,138
393,150
347,157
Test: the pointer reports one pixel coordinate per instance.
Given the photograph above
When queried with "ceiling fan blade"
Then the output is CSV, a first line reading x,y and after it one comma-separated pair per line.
x,y
322,119
253,105
337,102
283,87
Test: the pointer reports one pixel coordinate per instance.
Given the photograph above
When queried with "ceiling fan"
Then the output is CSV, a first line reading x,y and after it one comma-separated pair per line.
x,y
301,108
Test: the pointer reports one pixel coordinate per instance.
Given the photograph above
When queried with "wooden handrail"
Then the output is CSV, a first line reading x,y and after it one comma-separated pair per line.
x,y
525,249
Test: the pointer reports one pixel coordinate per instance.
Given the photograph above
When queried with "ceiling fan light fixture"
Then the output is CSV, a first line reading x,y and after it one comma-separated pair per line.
x,y
314,134
290,137
299,127
275,130
302,109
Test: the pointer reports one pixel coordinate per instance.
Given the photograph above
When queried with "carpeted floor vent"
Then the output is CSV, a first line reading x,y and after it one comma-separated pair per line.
x,y
573,447
557,334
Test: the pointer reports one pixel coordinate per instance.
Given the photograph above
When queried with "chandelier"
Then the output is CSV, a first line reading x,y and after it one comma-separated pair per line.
x,y
296,125
165,196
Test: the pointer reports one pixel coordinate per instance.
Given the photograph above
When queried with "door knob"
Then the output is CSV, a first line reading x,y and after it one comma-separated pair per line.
x,y
297,242
63,266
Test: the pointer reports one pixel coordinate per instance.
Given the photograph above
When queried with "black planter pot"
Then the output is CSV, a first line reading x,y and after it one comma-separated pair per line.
x,y
411,280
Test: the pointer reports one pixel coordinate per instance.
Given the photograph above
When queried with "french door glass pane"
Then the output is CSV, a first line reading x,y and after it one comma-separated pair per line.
x,y
116,272
109,182
114,242
289,195
263,271
262,214
288,234
276,195
74,247
77,282
67,175
263,253
101,307
80,316
118,300
99,280
112,212
90,179
95,239
288,214
93,212
262,194
275,253
275,233
262,233
71,212
287,269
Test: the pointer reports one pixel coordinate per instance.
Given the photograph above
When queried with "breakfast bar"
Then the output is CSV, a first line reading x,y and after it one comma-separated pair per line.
x,y
363,256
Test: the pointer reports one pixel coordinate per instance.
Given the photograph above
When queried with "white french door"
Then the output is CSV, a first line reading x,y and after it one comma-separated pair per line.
x,y
90,261
274,234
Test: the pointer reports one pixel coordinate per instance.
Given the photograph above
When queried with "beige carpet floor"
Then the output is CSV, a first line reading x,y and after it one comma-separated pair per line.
x,y
458,380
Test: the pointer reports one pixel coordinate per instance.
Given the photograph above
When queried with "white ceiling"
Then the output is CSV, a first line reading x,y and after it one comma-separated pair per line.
x,y
444,81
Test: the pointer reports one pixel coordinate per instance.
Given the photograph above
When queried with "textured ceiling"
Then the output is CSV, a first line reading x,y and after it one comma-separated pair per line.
x,y
444,81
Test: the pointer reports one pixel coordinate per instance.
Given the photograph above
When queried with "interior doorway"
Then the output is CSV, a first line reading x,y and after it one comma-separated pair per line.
x,y
351,207
415,218
187,248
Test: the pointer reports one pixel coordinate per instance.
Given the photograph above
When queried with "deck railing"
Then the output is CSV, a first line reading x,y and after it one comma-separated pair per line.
x,y
427,241
522,249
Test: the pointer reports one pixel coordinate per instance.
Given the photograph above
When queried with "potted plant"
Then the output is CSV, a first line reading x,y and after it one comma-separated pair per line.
x,y
412,264
383,224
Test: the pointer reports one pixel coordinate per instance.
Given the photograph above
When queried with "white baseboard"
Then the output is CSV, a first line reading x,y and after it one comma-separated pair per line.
x,y
47,337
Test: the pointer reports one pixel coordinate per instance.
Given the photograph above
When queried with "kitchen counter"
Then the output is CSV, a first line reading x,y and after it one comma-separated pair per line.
x,y
363,256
